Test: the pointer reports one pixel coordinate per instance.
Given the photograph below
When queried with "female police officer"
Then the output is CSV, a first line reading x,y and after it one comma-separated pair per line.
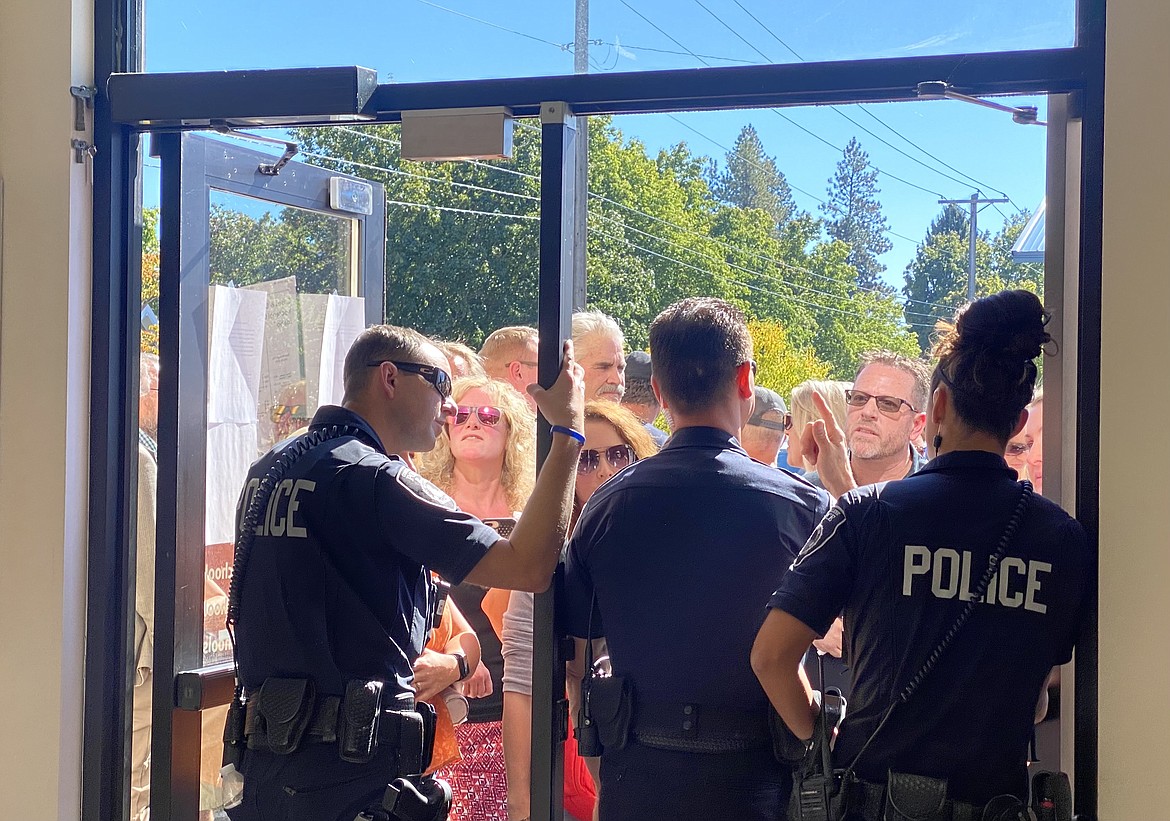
x,y
902,560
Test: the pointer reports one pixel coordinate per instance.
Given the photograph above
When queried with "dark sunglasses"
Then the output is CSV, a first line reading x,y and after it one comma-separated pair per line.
x,y
440,380
487,414
1018,448
618,456
889,405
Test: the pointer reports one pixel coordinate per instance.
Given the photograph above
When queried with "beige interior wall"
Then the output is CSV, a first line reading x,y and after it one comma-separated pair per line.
x,y
45,46
1135,395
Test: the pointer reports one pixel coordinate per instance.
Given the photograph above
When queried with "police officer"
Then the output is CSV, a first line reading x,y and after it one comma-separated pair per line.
x,y
903,560
333,596
670,562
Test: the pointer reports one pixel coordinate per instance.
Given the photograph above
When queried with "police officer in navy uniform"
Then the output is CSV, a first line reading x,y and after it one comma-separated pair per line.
x,y
902,559
334,596
671,562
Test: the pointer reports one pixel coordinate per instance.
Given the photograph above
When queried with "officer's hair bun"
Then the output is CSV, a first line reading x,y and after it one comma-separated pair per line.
x,y
987,358
1008,325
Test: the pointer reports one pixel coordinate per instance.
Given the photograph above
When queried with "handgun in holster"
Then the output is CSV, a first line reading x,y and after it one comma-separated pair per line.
x,y
365,726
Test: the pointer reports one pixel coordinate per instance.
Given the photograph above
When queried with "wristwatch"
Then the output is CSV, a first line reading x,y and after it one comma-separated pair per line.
x,y
464,668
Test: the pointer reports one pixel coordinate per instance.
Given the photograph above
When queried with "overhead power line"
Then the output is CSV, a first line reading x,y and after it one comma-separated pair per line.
x,y
734,248
776,111
863,109
627,227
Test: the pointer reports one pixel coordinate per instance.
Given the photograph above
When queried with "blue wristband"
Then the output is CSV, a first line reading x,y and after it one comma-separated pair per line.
x,y
573,434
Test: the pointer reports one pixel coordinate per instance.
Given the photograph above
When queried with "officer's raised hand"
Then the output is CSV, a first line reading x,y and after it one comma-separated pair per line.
x,y
823,443
526,559
563,403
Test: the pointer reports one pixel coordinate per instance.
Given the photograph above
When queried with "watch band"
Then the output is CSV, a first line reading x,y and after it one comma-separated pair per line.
x,y
464,667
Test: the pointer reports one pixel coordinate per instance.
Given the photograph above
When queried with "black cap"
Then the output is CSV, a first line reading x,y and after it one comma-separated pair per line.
x,y
638,367
770,410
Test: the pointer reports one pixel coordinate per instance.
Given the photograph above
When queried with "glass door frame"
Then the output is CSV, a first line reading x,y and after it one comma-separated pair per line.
x,y
193,166
1078,71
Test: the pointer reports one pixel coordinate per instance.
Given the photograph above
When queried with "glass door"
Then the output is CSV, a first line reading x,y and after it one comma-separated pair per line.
x,y
269,269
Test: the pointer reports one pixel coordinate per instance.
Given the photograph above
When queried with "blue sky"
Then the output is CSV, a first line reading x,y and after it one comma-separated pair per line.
x,y
425,40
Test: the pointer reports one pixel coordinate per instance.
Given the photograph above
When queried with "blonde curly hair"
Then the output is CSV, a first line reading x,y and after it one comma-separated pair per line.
x,y
518,473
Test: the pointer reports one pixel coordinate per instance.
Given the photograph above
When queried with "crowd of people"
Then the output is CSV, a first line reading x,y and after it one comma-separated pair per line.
x,y
693,492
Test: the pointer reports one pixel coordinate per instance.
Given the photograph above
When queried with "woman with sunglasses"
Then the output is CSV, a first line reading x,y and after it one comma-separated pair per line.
x,y
961,588
485,459
614,439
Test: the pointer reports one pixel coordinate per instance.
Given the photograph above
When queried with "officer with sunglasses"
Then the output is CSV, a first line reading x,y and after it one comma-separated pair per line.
x,y
670,562
332,595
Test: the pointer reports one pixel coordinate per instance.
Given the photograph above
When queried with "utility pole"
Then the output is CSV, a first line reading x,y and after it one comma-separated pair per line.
x,y
581,147
974,202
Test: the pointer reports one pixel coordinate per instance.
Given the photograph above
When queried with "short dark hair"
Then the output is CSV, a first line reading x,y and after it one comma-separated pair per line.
x,y
697,344
639,392
379,343
987,357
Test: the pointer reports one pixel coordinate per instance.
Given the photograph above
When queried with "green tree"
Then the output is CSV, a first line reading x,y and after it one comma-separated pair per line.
x,y
751,179
450,271
779,365
462,241
854,214
148,337
936,280
312,246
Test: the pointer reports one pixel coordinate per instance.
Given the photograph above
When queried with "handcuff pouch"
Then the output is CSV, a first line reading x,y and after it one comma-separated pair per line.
x,y
912,797
358,720
611,706
285,706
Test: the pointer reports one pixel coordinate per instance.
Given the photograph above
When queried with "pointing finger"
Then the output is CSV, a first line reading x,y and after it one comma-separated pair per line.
x,y
833,433
821,433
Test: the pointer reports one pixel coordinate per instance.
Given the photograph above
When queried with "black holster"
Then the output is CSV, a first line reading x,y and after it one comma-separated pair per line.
x,y
287,713
607,711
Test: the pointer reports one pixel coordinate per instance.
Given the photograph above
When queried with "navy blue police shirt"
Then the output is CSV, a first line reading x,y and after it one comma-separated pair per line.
x,y
337,586
683,548
900,559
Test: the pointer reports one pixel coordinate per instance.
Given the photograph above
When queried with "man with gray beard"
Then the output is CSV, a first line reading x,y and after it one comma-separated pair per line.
x,y
600,347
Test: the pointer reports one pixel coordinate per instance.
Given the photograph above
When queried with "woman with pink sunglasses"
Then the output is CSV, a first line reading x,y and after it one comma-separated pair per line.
x,y
485,459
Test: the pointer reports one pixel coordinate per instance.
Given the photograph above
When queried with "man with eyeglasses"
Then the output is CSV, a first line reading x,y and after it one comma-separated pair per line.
x,y
885,416
509,354
670,561
332,594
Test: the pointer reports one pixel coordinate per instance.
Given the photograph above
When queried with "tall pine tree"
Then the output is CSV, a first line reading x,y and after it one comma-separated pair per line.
x,y
750,179
854,215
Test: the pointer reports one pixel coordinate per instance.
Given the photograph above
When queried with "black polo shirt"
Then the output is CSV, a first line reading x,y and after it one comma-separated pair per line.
x,y
684,549
900,559
337,585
